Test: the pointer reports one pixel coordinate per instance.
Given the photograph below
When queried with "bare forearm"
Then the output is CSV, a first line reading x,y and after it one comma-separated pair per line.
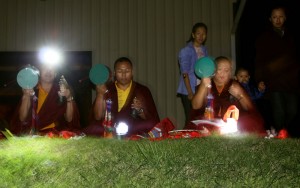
x,y
199,98
245,101
187,83
99,107
24,108
69,111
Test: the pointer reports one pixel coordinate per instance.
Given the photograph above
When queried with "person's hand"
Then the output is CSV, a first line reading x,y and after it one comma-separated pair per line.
x,y
261,86
65,92
206,82
190,96
137,104
28,92
101,89
236,91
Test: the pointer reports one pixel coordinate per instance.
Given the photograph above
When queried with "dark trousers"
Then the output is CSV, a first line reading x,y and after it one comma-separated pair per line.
x,y
285,107
187,106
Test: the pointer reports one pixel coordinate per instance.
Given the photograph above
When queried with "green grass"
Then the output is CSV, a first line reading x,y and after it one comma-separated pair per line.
x,y
245,161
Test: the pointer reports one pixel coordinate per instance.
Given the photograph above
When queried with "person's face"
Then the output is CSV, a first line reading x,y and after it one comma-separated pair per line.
x,y
223,72
278,18
243,77
47,74
123,73
200,35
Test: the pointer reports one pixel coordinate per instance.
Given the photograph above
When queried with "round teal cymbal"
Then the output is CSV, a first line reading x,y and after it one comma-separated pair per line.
x,y
27,78
204,67
99,74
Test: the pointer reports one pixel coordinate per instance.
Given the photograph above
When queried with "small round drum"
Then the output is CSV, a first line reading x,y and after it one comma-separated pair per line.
x,y
204,67
99,74
27,78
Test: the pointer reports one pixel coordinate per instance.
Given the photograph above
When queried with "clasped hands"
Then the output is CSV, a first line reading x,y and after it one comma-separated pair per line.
x,y
137,105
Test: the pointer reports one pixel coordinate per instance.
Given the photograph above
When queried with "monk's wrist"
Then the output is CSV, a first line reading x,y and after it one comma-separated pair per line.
x,y
70,99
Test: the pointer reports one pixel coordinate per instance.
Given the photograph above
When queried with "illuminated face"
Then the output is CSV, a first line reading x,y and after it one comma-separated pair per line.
x,y
47,74
278,18
223,72
200,35
123,73
243,76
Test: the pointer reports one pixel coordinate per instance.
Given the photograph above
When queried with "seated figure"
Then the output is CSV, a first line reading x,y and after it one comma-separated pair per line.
x,y
226,92
123,100
42,110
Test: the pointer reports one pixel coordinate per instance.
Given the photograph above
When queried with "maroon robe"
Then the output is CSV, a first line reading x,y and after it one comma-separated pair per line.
x,y
248,122
135,125
52,111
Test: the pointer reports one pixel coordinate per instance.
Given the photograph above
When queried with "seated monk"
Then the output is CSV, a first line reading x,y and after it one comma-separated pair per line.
x,y
126,96
41,109
226,92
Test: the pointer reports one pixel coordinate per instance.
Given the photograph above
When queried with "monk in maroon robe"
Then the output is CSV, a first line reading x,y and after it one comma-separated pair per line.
x,y
126,96
41,109
226,92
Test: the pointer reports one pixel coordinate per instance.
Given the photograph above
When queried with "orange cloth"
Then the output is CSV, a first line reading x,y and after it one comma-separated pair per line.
x,y
41,99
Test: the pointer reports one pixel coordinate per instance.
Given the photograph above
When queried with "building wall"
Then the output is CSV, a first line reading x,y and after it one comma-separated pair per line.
x,y
150,32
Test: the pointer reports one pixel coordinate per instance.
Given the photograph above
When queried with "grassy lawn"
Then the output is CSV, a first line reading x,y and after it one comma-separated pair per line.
x,y
215,161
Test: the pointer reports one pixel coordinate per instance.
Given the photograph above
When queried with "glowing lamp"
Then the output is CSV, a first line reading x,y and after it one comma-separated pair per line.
x,y
230,120
50,56
229,127
121,129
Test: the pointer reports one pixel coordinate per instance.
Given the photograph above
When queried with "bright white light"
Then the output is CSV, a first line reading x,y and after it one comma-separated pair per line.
x,y
229,127
50,56
121,128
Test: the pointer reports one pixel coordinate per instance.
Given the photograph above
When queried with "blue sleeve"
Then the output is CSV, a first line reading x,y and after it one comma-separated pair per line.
x,y
185,60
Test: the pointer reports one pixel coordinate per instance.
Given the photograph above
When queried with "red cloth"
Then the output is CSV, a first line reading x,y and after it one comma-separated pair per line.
x,y
282,134
161,129
52,111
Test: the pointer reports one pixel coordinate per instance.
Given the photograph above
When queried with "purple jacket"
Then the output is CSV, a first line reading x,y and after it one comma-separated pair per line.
x,y
187,59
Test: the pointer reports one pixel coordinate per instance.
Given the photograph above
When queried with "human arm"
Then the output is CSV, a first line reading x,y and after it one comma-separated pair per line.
x,y
25,104
148,117
145,105
187,84
70,104
200,96
261,87
241,95
186,60
99,104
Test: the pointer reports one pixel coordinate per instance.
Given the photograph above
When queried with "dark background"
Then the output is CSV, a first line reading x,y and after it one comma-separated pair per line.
x,y
254,20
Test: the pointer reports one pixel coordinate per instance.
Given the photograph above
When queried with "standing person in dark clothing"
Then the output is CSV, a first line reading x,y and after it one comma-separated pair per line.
x,y
277,65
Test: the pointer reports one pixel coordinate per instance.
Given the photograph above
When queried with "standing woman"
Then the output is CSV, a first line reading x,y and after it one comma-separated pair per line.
x,y
194,49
